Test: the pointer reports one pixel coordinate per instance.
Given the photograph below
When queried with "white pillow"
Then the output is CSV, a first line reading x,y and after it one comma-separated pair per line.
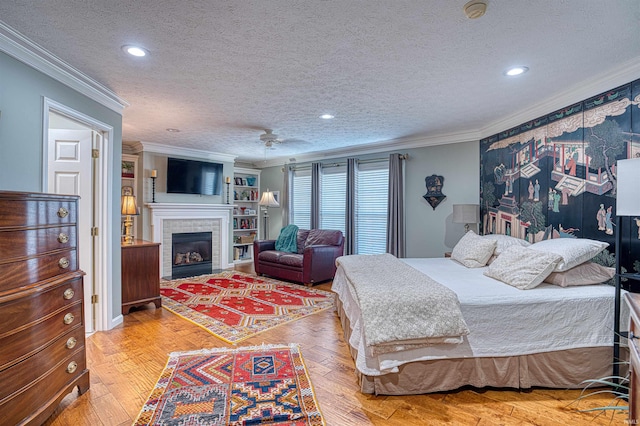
x,y
473,251
574,251
586,274
522,267
504,241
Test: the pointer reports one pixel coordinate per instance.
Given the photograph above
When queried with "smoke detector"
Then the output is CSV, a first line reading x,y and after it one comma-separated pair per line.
x,y
475,9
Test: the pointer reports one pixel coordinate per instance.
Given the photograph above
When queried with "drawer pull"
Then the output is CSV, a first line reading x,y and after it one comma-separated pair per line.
x,y
68,319
64,263
63,238
71,342
72,367
62,212
68,293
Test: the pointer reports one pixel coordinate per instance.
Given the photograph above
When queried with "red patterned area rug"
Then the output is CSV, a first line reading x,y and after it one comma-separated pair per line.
x,y
235,306
258,385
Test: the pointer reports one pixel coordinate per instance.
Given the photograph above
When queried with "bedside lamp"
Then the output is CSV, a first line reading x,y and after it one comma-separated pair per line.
x,y
627,204
267,200
466,213
128,208
628,191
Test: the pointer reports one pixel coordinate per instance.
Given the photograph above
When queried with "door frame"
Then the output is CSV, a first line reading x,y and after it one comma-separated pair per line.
x,y
103,267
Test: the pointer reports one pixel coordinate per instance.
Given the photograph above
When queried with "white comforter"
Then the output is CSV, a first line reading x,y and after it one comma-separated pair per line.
x,y
503,321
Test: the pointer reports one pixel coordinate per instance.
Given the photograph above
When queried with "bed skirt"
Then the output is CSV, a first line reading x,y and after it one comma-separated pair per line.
x,y
561,369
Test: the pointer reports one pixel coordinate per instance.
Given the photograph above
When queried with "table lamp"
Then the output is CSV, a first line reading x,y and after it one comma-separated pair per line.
x,y
129,208
466,213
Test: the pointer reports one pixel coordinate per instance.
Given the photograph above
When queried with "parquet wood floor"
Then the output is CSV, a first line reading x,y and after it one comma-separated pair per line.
x,y
126,362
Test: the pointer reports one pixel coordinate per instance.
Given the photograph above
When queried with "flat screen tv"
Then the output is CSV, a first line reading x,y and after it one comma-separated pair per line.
x,y
193,177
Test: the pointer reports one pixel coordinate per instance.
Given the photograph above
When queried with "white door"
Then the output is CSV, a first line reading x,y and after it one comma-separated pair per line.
x,y
70,172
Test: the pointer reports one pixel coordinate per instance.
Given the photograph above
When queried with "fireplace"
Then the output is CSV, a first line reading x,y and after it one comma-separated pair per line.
x,y
170,218
191,254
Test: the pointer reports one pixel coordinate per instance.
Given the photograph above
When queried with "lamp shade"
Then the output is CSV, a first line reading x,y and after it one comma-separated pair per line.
x,y
268,199
466,213
128,205
628,192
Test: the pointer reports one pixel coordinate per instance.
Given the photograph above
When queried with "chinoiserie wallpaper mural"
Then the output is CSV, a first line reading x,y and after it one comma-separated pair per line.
x,y
555,176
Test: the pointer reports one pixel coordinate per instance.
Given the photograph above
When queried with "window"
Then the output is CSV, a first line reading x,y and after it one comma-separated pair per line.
x,y
333,196
372,188
372,193
300,211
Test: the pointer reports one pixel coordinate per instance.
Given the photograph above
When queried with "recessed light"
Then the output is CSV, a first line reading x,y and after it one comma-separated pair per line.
x,y
326,116
172,130
135,50
513,71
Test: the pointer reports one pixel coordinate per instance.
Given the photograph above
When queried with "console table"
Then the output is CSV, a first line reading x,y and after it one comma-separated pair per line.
x,y
140,275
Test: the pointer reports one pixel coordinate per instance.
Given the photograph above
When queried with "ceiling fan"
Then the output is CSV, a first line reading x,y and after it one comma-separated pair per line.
x,y
269,138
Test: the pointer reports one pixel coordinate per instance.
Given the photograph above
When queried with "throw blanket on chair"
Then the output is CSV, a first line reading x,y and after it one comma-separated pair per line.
x,y
287,239
400,305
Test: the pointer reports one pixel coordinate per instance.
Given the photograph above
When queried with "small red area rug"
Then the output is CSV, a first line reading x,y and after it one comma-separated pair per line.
x,y
258,385
235,306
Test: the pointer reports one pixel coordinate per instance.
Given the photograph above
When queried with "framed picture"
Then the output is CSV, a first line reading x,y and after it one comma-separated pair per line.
x,y
127,190
237,181
128,169
276,195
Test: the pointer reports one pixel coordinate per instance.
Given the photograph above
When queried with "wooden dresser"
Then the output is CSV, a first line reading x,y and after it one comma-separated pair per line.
x,y
633,299
140,275
42,350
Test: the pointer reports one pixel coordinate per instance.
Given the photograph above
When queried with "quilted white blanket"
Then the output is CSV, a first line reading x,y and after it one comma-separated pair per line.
x,y
399,305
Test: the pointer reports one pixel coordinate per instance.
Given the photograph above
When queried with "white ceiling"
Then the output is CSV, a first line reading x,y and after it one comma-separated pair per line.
x,y
393,72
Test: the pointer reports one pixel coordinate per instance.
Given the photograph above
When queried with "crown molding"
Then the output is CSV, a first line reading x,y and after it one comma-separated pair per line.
x,y
157,148
621,75
19,47
399,144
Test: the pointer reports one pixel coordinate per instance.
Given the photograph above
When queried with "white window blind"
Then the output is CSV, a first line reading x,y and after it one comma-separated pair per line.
x,y
333,196
300,208
372,193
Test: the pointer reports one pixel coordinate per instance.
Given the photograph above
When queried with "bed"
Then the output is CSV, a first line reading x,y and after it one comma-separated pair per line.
x,y
548,336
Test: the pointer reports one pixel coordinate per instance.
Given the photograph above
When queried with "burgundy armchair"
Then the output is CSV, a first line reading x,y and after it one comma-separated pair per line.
x,y
314,262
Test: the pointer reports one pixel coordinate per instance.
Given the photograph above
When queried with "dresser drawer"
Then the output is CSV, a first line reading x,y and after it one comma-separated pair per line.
x,y
22,406
28,311
24,272
31,242
20,376
37,212
27,341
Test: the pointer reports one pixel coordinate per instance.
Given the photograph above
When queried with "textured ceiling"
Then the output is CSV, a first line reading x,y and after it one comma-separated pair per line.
x,y
388,70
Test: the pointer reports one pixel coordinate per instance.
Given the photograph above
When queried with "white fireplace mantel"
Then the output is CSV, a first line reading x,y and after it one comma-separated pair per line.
x,y
180,211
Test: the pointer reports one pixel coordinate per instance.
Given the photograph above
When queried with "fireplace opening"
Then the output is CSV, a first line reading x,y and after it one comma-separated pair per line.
x,y
191,254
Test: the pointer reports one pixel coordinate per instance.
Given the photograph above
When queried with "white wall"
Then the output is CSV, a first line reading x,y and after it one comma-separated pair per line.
x,y
430,233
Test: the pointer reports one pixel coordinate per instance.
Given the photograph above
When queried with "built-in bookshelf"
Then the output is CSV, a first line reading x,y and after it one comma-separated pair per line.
x,y
130,186
246,224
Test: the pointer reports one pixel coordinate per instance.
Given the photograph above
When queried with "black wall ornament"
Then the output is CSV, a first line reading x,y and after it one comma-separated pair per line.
x,y
434,195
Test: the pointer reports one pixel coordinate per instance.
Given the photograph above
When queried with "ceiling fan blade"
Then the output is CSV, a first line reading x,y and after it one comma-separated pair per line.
x,y
247,126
